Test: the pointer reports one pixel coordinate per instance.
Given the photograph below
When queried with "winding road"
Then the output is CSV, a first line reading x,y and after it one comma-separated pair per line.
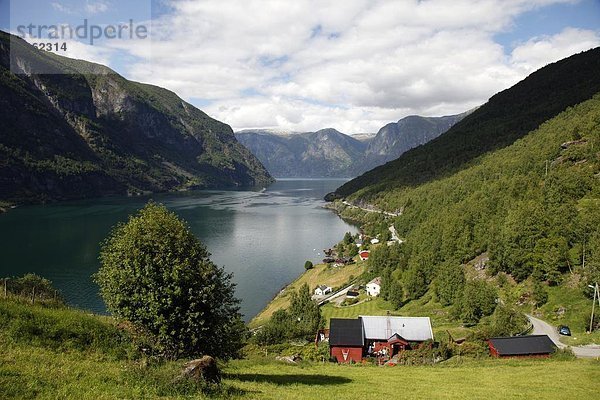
x,y
543,328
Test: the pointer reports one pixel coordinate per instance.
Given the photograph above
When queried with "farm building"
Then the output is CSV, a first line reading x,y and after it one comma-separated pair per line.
x,y
346,339
522,346
380,336
374,287
322,290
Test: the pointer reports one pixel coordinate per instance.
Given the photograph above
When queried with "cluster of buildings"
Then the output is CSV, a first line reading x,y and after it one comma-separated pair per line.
x,y
351,340
383,337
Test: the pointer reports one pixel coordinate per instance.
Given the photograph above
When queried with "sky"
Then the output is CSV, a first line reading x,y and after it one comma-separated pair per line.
x,y
303,65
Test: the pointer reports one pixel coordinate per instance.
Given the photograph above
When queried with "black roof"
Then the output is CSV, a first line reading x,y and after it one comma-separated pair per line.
x,y
523,345
345,332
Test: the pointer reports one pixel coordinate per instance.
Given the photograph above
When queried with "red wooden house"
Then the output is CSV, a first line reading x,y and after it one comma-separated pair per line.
x,y
376,336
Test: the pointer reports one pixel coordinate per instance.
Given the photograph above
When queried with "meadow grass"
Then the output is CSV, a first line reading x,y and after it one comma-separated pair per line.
x,y
34,372
50,353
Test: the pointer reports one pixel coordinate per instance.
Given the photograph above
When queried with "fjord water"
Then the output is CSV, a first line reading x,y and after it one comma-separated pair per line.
x,y
262,237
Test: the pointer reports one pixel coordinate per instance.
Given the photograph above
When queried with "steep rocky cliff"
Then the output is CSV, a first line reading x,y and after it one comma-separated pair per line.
x,y
396,138
86,131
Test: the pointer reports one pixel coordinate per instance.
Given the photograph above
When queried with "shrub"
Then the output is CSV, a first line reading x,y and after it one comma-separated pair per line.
x,y
156,274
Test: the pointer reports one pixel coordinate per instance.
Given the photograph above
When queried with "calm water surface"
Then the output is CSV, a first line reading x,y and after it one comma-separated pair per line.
x,y
262,237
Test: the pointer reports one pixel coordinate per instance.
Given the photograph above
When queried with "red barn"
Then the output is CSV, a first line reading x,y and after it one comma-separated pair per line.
x,y
522,346
346,340
364,254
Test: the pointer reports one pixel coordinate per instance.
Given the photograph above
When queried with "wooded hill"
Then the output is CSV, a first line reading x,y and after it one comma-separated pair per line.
x,y
513,181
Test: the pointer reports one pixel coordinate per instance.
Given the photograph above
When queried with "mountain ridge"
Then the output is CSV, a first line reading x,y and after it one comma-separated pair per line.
x,y
90,132
506,117
305,154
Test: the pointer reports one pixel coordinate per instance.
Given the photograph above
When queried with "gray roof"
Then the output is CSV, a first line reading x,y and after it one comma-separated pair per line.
x,y
410,328
322,287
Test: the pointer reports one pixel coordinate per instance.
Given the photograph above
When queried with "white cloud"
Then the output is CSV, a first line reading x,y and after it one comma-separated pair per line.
x,y
310,64
540,51
96,7
61,8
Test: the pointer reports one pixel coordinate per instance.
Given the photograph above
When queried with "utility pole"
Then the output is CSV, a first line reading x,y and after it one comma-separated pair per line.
x,y
593,304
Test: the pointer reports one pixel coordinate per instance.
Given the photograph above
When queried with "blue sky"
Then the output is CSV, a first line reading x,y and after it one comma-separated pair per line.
x,y
311,64
551,20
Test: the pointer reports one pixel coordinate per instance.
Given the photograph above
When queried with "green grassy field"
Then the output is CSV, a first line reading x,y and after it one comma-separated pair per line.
x,y
50,353
33,372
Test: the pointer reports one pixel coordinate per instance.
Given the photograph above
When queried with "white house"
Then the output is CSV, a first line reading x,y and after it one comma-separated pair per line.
x,y
322,290
374,287
374,241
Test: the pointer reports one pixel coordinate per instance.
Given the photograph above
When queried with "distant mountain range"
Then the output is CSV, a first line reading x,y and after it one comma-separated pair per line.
x,y
330,153
325,153
85,131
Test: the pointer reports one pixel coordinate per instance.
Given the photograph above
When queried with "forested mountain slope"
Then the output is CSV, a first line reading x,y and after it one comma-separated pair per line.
x,y
533,207
506,117
85,131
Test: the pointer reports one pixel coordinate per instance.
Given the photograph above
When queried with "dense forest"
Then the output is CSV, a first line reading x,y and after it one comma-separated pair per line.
x,y
530,209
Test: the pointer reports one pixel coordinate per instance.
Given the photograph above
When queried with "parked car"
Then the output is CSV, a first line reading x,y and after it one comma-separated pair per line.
x,y
564,330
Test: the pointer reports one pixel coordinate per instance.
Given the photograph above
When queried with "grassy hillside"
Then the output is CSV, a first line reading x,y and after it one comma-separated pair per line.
x,y
321,274
67,366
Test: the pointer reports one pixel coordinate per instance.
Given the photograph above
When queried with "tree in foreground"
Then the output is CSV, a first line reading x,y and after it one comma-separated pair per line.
x,y
157,275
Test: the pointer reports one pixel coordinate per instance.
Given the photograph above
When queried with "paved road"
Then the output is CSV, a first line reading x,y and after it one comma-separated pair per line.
x,y
543,328
335,295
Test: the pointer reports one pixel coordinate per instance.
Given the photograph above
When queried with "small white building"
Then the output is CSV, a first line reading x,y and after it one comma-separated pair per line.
x,y
374,241
322,290
374,287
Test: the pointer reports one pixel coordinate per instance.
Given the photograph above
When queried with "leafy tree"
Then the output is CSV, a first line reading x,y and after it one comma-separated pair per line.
x,y
552,257
351,250
539,293
305,313
301,320
479,300
308,265
506,321
415,282
156,274
591,272
348,238
450,284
